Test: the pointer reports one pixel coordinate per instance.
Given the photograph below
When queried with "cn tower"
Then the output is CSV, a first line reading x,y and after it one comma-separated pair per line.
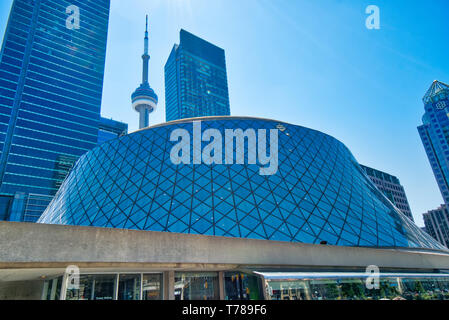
x,y
144,99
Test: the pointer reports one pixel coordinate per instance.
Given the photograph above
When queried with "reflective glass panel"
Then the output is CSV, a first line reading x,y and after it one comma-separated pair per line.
x,y
241,286
196,286
152,287
129,287
288,290
52,289
390,288
94,287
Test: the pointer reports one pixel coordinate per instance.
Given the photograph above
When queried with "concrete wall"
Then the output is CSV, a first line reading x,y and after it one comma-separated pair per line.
x,y
24,245
21,290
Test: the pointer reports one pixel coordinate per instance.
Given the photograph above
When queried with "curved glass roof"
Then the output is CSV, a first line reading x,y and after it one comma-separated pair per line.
x,y
318,193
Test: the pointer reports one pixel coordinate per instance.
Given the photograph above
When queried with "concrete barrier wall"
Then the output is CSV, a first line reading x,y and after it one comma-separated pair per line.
x,y
47,246
21,290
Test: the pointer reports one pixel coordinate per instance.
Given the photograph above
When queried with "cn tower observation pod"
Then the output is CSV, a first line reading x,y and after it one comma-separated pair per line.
x,y
144,99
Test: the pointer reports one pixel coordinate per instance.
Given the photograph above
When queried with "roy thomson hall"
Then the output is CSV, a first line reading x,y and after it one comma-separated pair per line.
x,y
293,218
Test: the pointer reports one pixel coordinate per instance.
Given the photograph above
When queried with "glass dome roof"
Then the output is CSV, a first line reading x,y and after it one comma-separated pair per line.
x,y
319,192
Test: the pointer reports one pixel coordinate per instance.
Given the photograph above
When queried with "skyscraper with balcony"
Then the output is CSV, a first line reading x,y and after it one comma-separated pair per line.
x,y
391,188
196,82
434,133
51,81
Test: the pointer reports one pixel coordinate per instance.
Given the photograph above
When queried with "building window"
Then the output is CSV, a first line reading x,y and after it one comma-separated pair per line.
x,y
196,286
52,289
129,287
94,287
152,287
241,286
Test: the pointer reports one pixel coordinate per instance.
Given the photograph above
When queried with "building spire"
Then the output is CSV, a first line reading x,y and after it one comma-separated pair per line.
x,y
144,99
145,56
146,37
435,88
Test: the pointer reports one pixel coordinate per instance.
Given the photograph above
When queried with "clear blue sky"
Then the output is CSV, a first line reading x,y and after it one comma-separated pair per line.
x,y
311,63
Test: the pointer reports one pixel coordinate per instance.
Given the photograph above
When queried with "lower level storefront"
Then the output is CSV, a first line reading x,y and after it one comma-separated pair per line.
x,y
193,285
248,286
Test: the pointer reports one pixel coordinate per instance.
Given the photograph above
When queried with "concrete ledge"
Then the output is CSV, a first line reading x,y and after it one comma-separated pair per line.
x,y
28,245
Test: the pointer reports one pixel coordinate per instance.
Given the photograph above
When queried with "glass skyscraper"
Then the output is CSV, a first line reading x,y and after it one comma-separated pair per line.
x,y
434,133
51,80
109,129
196,82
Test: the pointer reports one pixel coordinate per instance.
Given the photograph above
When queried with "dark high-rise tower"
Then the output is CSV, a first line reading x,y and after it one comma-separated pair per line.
x,y
51,81
435,133
144,99
437,224
196,82
391,188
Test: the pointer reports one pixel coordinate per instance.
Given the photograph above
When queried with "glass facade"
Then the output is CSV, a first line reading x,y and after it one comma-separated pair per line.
x,y
94,287
133,286
51,80
434,134
341,287
5,205
110,129
52,289
196,286
318,194
196,82
129,287
152,287
241,286
253,286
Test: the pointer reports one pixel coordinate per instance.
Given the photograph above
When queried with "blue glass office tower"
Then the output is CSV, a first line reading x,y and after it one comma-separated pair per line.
x,y
109,129
51,80
196,82
435,133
